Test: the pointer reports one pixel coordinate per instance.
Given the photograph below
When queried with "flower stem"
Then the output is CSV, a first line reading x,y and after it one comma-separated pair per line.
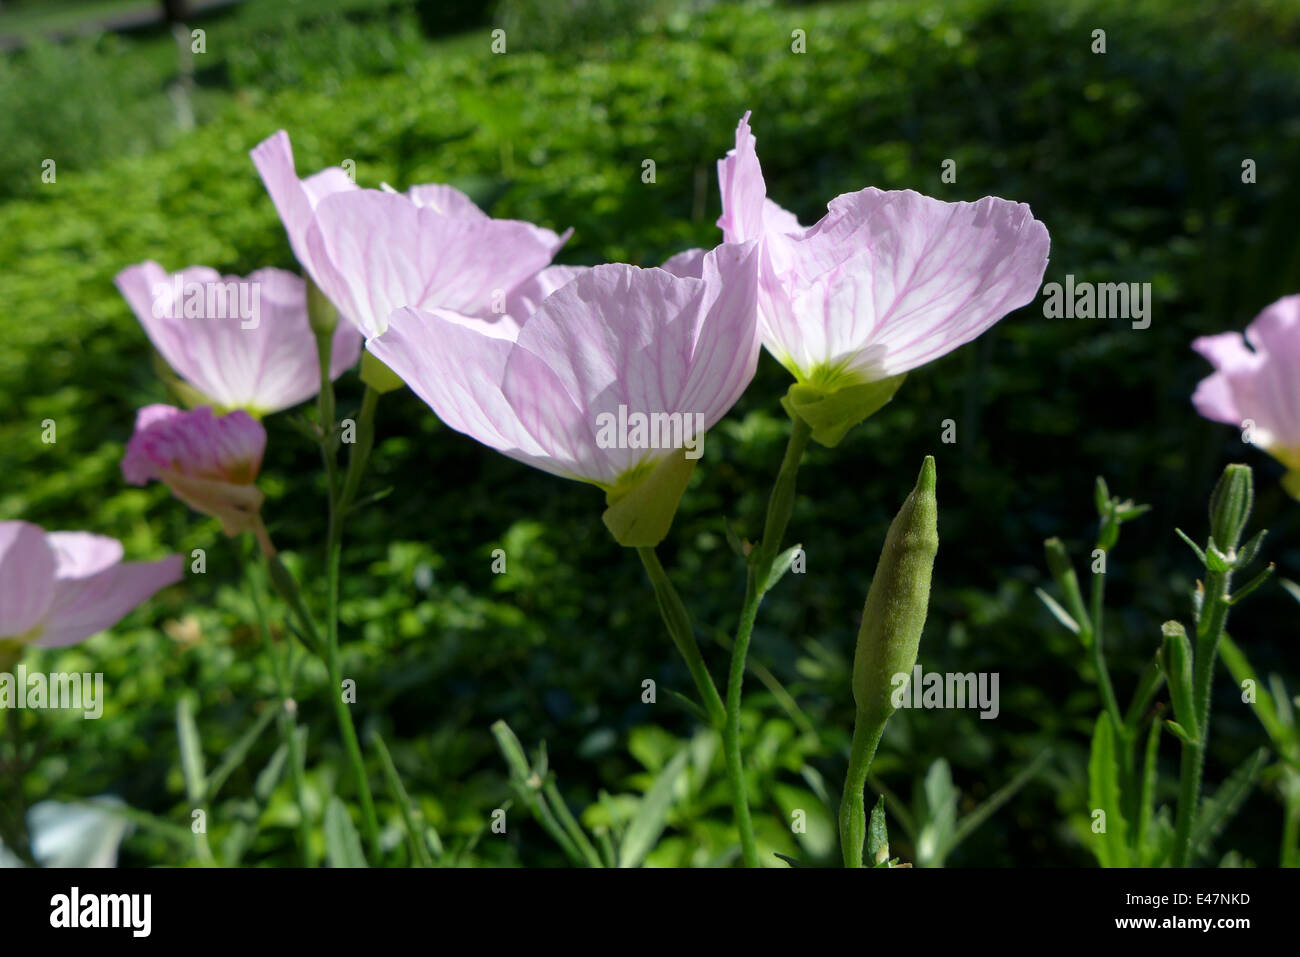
x,y
779,507
867,733
333,665
1209,629
678,622
280,666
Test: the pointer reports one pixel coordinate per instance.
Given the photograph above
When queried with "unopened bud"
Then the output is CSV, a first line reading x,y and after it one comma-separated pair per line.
x,y
895,611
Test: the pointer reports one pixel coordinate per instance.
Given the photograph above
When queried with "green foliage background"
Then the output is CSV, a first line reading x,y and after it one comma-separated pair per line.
x,y
1132,159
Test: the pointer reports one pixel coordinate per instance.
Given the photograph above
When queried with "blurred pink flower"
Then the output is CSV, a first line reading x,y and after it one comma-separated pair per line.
x,y
243,343
588,357
58,588
885,281
209,462
1256,383
372,252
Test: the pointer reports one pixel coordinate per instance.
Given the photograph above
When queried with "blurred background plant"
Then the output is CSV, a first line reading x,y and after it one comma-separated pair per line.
x,y
1133,158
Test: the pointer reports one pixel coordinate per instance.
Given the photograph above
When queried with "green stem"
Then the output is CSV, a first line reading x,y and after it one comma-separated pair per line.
x,y
420,856
338,506
867,732
571,825
1099,661
333,666
287,725
779,507
678,622
1209,629
359,455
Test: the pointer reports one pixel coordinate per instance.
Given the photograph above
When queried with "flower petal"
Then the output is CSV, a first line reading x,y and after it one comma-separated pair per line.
x,y
923,277
295,199
83,606
27,568
389,254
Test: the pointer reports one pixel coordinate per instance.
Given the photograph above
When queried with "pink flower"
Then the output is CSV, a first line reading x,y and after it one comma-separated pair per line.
x,y
372,252
1256,384
612,379
243,343
58,588
883,283
209,462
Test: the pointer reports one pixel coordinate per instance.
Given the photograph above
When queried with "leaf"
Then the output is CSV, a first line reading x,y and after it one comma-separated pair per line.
x,y
1181,733
1215,813
1110,845
238,752
878,834
415,833
1055,608
1264,706
781,566
1101,497
940,815
269,777
342,843
648,822
1292,588
187,735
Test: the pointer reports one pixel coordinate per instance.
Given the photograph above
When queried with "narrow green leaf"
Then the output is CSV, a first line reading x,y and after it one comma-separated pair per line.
x,y
342,843
1264,706
940,822
781,566
1181,733
648,822
1200,554
238,752
1055,608
187,735
877,834
1215,813
1110,845
415,833
1146,804
1292,588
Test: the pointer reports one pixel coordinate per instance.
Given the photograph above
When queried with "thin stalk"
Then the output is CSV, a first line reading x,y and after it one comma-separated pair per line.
x,y
678,622
333,666
571,825
288,589
853,811
1209,629
1099,658
338,505
779,507
286,724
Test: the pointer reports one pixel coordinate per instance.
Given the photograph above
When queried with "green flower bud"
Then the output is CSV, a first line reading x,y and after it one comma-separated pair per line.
x,y
895,611
1230,505
1176,660
321,314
